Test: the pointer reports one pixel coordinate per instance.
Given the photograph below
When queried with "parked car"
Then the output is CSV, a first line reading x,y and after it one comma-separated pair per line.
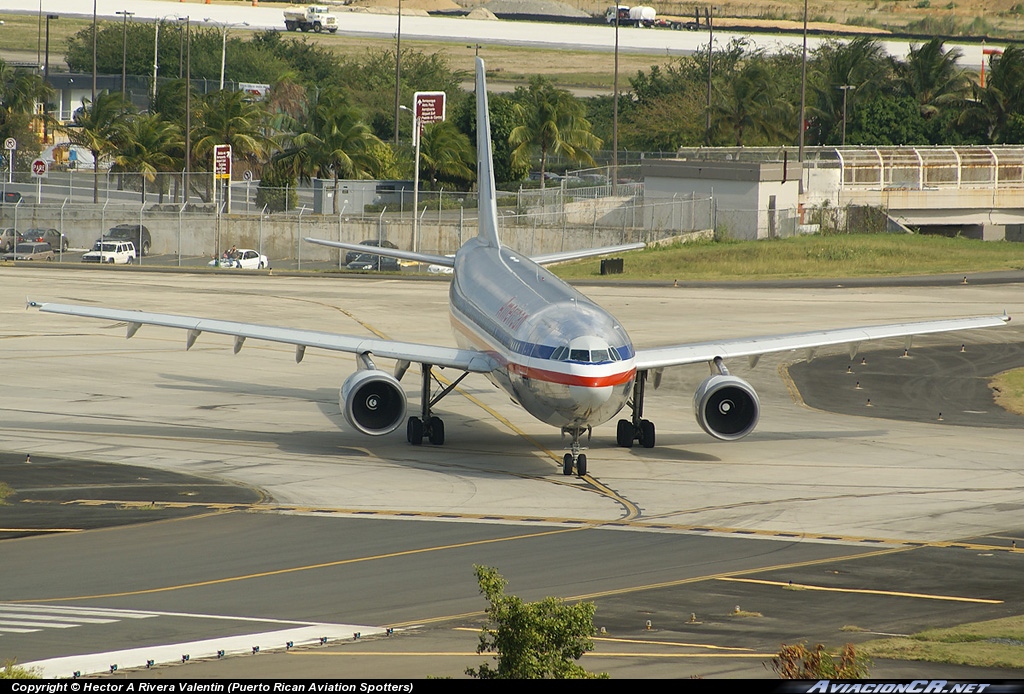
x,y
376,243
435,269
111,251
33,250
53,237
371,261
136,233
8,237
244,258
12,197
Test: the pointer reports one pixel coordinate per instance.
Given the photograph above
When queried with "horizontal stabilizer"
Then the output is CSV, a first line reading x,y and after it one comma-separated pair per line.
x,y
447,261
587,253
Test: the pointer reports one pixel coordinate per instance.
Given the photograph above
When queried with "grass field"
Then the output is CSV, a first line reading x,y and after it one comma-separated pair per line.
x,y
844,255
996,643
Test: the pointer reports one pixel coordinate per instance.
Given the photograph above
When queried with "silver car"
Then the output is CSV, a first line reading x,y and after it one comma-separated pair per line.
x,y
30,251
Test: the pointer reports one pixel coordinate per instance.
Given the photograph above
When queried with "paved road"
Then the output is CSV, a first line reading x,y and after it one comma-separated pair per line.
x,y
333,533
462,30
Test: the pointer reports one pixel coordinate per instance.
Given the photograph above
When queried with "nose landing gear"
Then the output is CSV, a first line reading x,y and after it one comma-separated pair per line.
x,y
574,458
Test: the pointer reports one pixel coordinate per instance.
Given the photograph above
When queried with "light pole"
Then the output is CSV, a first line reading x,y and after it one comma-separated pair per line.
x,y
415,175
803,101
615,109
710,16
846,90
94,58
398,67
46,72
224,26
46,65
188,104
124,47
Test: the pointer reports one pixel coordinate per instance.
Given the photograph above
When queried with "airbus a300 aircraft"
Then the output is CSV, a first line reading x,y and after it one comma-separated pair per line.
x,y
564,359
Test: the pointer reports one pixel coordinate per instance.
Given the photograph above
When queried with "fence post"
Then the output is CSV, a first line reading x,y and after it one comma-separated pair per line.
x,y
341,252
298,238
181,211
263,213
142,208
62,229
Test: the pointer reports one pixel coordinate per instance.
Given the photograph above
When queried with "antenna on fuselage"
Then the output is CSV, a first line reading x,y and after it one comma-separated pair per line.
x,y
487,206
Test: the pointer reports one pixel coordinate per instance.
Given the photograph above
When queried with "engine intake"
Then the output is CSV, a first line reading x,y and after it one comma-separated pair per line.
x,y
726,407
373,402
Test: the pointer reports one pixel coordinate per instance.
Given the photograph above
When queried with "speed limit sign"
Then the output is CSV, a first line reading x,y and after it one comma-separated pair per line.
x,y
39,168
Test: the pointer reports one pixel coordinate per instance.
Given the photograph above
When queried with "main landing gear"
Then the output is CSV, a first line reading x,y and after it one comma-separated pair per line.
x,y
427,425
574,458
636,429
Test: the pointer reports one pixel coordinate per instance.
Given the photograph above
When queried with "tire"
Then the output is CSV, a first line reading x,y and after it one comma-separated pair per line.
x,y
414,431
581,465
261,266
317,28
333,30
111,261
567,464
624,433
145,248
436,429
129,261
646,433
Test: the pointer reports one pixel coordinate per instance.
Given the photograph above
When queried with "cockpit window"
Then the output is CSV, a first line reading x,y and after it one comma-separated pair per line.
x,y
560,354
598,355
581,355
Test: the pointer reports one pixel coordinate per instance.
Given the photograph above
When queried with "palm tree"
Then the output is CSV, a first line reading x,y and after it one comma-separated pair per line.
x,y
334,142
227,118
748,109
994,105
553,121
446,153
98,126
840,70
20,91
148,146
932,77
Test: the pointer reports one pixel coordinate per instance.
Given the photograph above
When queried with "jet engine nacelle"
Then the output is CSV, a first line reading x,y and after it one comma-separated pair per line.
x,y
373,402
726,407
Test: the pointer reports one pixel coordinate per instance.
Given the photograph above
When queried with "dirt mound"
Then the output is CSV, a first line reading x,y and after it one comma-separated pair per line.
x,y
534,7
481,13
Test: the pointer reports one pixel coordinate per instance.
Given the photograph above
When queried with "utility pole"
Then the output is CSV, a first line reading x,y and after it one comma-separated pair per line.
x,y
398,67
124,47
846,90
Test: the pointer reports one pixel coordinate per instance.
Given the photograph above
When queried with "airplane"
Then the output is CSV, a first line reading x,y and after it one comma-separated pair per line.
x,y
564,359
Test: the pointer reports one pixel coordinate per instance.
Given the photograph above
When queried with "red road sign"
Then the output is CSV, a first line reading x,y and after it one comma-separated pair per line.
x,y
430,107
39,168
222,161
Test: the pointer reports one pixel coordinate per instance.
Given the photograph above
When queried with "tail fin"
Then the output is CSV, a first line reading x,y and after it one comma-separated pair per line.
x,y
487,206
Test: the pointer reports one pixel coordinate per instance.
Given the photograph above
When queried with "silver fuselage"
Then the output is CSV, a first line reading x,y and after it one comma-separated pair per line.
x,y
567,361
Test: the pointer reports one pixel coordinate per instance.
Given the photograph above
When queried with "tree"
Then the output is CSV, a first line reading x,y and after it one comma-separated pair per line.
x,y
229,118
861,65
147,148
550,120
533,640
334,142
502,123
20,90
801,663
446,156
932,76
747,108
98,126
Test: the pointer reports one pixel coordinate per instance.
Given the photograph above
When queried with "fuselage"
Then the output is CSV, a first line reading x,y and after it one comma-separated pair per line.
x,y
566,360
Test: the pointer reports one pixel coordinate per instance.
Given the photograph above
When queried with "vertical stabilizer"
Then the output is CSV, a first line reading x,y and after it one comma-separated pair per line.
x,y
487,204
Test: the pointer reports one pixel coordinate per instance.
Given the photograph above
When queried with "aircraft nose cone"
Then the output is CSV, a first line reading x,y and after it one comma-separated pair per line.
x,y
589,399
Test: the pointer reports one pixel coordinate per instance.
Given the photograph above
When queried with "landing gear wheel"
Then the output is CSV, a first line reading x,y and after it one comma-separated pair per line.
x,y
435,431
581,465
567,464
646,433
624,433
414,431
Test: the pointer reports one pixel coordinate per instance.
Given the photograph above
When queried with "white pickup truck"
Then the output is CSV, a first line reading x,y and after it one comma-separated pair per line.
x,y
315,18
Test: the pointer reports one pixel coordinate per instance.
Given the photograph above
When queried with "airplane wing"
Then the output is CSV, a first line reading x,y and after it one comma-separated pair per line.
x,y
753,347
587,253
462,359
447,261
